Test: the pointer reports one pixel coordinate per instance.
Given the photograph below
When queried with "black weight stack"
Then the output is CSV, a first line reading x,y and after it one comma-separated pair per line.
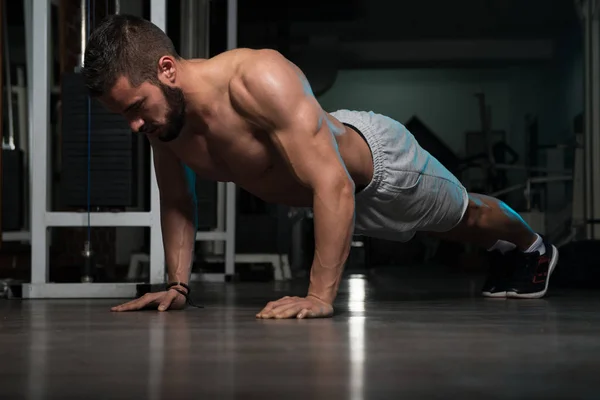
x,y
111,151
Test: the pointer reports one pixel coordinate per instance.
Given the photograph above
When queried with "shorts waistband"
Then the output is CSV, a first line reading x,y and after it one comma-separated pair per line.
x,y
362,123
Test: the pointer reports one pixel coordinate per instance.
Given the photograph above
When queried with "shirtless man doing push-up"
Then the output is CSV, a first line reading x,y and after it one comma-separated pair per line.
x,y
250,117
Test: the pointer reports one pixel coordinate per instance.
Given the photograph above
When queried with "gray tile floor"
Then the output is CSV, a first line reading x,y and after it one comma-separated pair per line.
x,y
392,338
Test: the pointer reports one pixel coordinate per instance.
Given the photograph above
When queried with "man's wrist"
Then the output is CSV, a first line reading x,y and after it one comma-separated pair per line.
x,y
323,284
180,285
326,296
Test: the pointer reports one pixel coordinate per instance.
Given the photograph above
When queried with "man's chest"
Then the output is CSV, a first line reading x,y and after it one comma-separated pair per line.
x,y
228,151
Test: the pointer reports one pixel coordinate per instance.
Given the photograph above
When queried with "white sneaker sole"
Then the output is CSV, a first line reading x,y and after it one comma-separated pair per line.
x,y
494,295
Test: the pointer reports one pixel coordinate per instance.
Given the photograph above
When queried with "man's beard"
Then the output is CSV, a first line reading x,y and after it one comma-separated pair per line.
x,y
175,119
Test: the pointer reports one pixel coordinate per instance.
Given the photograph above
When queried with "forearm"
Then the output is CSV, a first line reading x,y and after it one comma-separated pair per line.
x,y
178,230
334,225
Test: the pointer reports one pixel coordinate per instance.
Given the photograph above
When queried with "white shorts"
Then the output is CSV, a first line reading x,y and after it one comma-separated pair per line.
x,y
410,191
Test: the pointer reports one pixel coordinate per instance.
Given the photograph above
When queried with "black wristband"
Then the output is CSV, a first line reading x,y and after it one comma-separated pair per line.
x,y
171,286
183,285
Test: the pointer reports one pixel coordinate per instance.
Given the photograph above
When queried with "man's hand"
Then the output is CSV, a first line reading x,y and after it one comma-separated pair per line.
x,y
169,300
296,307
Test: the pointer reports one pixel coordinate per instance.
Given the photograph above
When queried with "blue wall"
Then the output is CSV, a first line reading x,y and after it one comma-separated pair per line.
x,y
444,99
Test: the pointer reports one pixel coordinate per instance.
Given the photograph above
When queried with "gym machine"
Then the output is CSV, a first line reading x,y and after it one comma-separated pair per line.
x,y
37,17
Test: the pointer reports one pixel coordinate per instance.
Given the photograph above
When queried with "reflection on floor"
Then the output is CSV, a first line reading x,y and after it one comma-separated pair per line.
x,y
393,337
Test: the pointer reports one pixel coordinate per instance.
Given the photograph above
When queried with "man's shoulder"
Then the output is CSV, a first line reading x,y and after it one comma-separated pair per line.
x,y
258,69
238,66
265,83
265,67
246,58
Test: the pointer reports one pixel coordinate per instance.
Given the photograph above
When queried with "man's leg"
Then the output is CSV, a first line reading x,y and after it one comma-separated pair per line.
x,y
488,220
493,225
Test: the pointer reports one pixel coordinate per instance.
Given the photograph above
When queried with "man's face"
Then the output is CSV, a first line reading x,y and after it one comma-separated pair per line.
x,y
153,108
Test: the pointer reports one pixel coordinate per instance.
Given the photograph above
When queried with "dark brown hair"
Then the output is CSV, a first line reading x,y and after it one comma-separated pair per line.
x,y
124,45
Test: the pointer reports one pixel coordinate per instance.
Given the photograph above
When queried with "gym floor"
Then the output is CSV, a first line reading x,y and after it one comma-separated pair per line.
x,y
393,337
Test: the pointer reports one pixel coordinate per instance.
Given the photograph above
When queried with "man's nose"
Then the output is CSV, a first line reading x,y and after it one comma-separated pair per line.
x,y
136,124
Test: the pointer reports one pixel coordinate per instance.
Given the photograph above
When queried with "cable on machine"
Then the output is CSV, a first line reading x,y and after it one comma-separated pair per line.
x,y
8,89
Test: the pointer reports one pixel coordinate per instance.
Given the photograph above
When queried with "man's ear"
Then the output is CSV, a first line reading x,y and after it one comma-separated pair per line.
x,y
167,69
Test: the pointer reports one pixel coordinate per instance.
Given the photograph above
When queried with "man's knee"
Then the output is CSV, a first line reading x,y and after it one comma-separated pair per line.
x,y
480,211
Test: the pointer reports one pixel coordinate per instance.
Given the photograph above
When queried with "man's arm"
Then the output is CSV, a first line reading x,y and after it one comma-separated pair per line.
x,y
178,231
273,93
176,214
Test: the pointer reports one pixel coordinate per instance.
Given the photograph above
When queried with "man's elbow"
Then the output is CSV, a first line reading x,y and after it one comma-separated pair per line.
x,y
340,186
347,187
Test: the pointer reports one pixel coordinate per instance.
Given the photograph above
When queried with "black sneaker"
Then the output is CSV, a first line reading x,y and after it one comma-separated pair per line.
x,y
532,273
499,274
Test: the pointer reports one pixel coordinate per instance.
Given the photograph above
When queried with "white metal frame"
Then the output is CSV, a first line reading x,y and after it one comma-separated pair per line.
x,y
37,16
